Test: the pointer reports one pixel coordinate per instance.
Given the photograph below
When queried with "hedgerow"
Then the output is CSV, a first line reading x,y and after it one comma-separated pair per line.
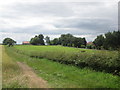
x,y
97,61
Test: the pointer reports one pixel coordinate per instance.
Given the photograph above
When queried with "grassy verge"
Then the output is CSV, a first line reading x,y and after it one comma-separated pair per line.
x,y
0,67
65,76
11,74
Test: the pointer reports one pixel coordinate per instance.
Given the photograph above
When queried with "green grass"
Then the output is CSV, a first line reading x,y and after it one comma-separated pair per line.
x,y
65,76
60,48
11,74
100,60
0,67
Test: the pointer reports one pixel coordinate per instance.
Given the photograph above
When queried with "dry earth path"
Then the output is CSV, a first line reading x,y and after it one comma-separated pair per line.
x,y
34,80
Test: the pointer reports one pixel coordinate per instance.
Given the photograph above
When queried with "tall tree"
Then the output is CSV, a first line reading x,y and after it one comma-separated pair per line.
x,y
41,38
9,42
84,42
78,42
112,40
55,41
66,39
69,40
99,41
37,40
47,40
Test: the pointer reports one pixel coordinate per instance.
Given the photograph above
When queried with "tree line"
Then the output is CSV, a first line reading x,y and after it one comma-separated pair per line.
x,y
108,41
70,41
64,40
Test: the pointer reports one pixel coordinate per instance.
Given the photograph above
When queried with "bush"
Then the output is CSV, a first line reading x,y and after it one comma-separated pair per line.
x,y
83,46
90,47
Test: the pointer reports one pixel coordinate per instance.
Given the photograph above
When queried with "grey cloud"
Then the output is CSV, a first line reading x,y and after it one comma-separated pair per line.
x,y
88,24
41,30
74,26
41,9
88,18
51,8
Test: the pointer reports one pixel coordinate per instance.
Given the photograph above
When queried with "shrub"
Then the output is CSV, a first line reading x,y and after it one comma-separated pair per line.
x,y
83,46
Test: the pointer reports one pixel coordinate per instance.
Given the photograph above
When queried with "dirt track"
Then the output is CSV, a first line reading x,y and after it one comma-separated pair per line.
x,y
34,80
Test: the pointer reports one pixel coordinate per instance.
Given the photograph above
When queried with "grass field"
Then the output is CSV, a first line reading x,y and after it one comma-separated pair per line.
x,y
60,75
61,48
100,60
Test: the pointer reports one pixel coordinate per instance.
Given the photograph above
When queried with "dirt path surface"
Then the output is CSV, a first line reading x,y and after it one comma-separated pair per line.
x,y
34,80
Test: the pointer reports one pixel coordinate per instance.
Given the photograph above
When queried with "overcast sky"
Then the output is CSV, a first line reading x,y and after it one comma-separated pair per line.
x,y
23,19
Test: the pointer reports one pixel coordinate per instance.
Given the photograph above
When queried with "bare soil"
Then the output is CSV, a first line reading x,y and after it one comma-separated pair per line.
x,y
33,80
